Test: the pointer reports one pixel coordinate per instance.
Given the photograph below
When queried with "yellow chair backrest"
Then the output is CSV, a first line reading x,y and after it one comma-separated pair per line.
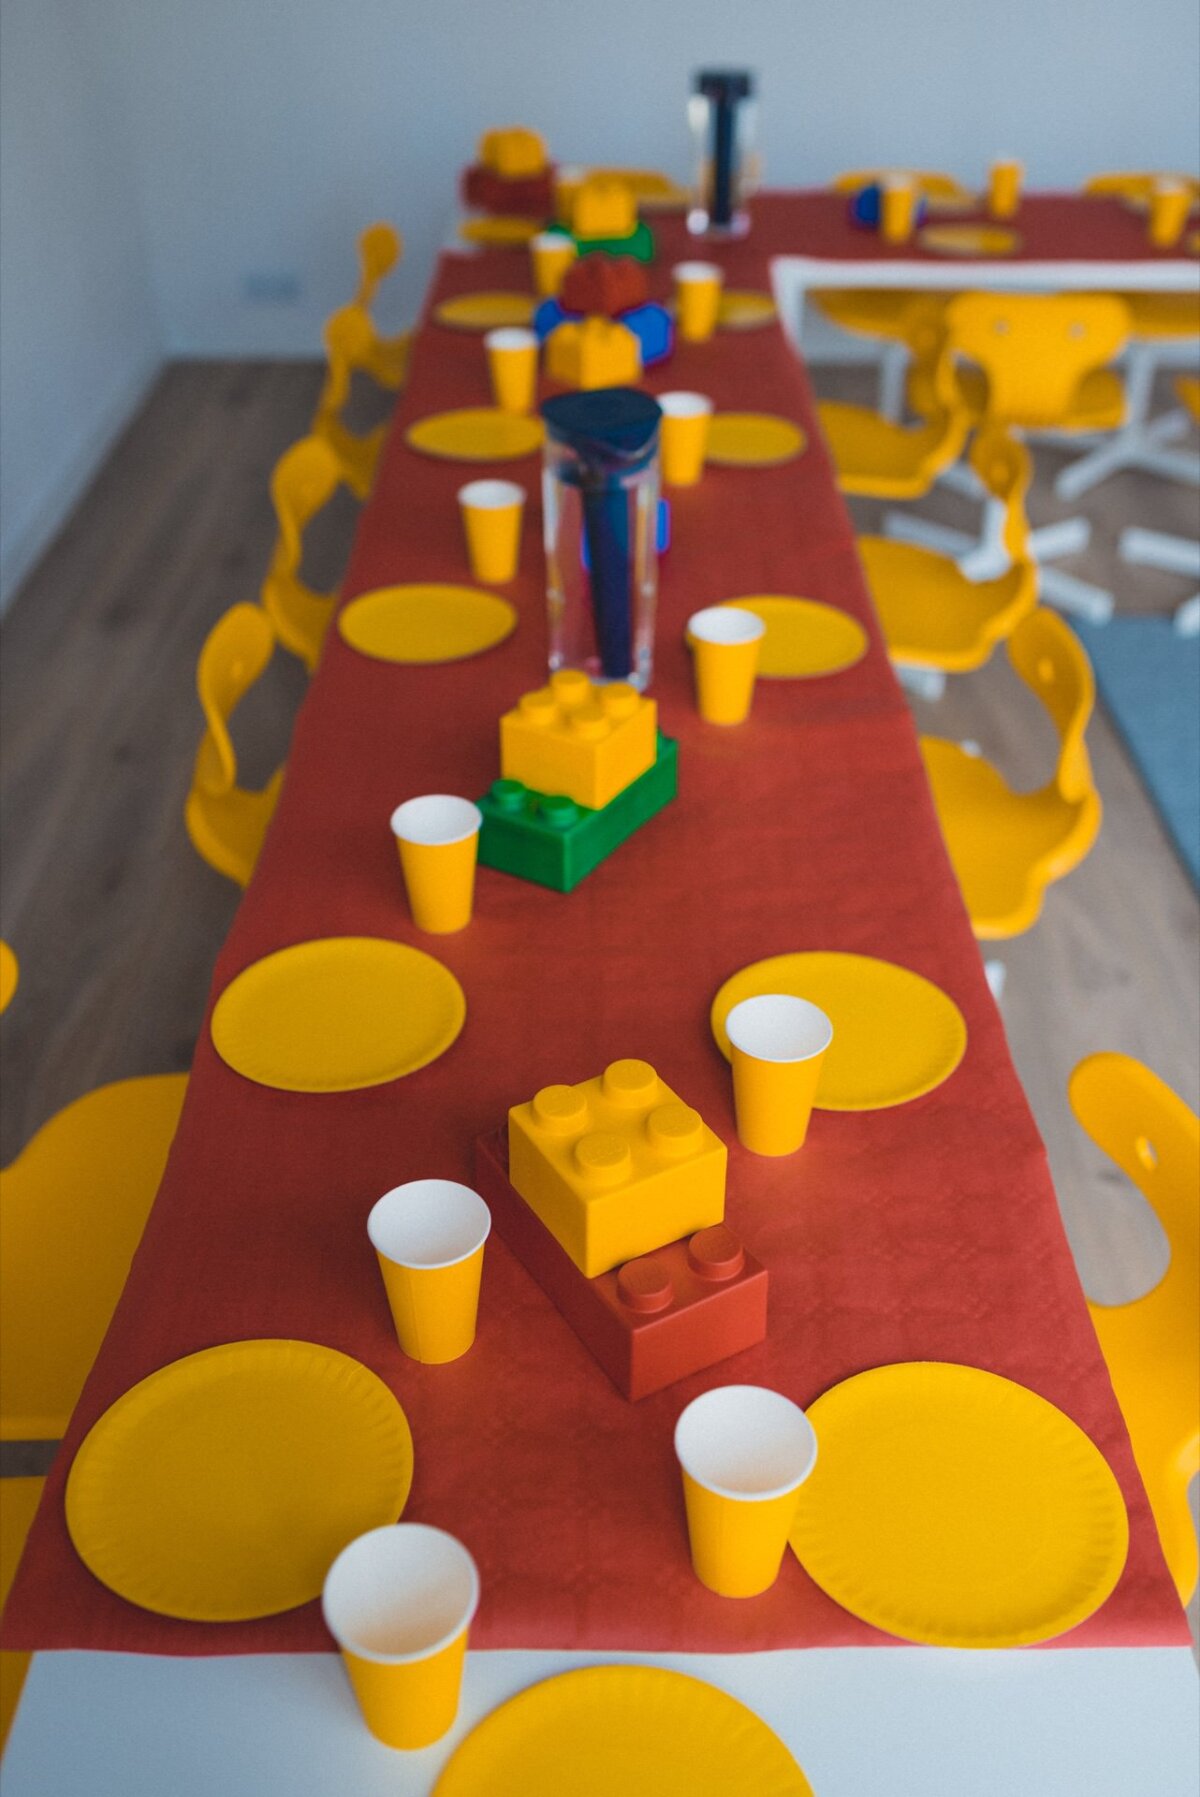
x,y
1035,349
927,180
304,479
349,338
1137,186
379,249
235,653
1152,1343
1051,660
927,338
1005,467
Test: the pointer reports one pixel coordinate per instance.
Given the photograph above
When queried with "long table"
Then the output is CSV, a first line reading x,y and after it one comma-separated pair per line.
x,y
929,1231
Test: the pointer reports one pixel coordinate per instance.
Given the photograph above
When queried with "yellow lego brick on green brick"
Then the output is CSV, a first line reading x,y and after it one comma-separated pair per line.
x,y
578,738
603,207
617,1166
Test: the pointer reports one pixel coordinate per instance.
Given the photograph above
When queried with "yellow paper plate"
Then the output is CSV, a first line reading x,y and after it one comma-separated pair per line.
x,y
895,1035
804,638
753,440
426,623
10,975
968,240
476,434
617,1731
743,310
224,1485
951,202
485,311
953,1507
500,230
338,1013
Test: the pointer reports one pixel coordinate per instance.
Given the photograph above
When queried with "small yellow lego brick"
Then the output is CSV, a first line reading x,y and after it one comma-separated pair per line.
x,y
513,152
617,1166
593,352
575,737
603,207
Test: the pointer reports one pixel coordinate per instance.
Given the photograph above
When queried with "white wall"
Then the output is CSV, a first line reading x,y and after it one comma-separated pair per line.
x,y
79,336
267,132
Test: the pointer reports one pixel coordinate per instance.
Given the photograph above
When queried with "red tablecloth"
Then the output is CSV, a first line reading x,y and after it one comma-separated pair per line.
x,y
926,1232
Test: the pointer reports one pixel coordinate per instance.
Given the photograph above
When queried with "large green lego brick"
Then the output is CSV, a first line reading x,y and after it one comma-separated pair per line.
x,y
554,842
639,244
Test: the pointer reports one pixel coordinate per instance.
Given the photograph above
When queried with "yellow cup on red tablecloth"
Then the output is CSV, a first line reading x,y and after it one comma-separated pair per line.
x,y
725,644
1004,187
492,511
438,839
778,1044
551,253
898,196
399,1602
744,1452
512,353
1170,203
697,299
429,1237
683,437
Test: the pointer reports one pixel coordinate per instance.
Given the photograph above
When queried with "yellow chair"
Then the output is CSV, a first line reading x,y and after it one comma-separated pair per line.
x,y
1135,188
877,459
379,250
932,616
225,821
72,1209
1152,1343
304,480
1006,846
929,183
349,336
19,1499
10,974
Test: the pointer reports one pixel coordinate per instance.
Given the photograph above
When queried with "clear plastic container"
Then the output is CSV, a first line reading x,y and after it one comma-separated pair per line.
x,y
600,491
723,119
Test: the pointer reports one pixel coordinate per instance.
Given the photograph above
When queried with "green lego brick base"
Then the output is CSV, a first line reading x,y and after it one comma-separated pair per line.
x,y
554,842
639,244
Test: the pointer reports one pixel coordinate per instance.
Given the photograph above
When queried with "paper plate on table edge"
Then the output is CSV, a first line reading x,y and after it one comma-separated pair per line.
x,y
499,230
743,309
939,203
372,1011
1191,243
907,1505
969,240
487,311
635,1729
424,623
475,434
10,975
805,639
753,440
856,1075
653,191
260,1536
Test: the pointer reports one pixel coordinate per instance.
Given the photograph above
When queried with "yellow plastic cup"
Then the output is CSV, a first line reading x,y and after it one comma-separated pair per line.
x,y
897,208
1170,203
725,644
1004,187
552,254
492,513
512,354
744,1452
567,181
429,1237
438,838
399,1602
697,299
778,1043
683,437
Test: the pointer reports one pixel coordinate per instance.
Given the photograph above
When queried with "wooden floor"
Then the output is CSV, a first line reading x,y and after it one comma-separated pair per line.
x,y
117,922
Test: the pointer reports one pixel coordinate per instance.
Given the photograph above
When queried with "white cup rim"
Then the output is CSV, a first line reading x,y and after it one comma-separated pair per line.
x,y
681,404
719,1426
491,495
364,1561
511,336
551,240
428,1224
725,625
698,271
779,1027
436,820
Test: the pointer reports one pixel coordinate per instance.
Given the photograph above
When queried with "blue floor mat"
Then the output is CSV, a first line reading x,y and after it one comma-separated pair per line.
x,y
1149,680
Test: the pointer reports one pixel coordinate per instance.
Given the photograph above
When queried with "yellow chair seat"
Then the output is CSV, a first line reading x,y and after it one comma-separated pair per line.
x,y
872,312
1152,1344
876,459
19,1499
1188,388
932,615
227,829
1098,403
72,1208
1006,847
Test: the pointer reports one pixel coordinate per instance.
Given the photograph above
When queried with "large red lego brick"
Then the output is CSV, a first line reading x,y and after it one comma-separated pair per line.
x,y
655,1319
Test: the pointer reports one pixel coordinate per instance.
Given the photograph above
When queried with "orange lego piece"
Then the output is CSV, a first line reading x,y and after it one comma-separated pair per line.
x,y
616,1167
593,352
586,741
603,207
512,151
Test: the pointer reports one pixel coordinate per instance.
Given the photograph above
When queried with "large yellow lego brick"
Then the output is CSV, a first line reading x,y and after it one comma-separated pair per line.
x,y
512,151
578,738
593,352
617,1166
603,207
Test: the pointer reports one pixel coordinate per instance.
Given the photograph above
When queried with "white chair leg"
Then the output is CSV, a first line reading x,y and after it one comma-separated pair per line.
x,y
1067,537
893,373
1155,549
1187,616
1068,594
907,527
996,973
960,477
1136,446
922,683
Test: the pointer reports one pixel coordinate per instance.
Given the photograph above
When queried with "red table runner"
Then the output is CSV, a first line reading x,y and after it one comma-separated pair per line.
x,y
929,1231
